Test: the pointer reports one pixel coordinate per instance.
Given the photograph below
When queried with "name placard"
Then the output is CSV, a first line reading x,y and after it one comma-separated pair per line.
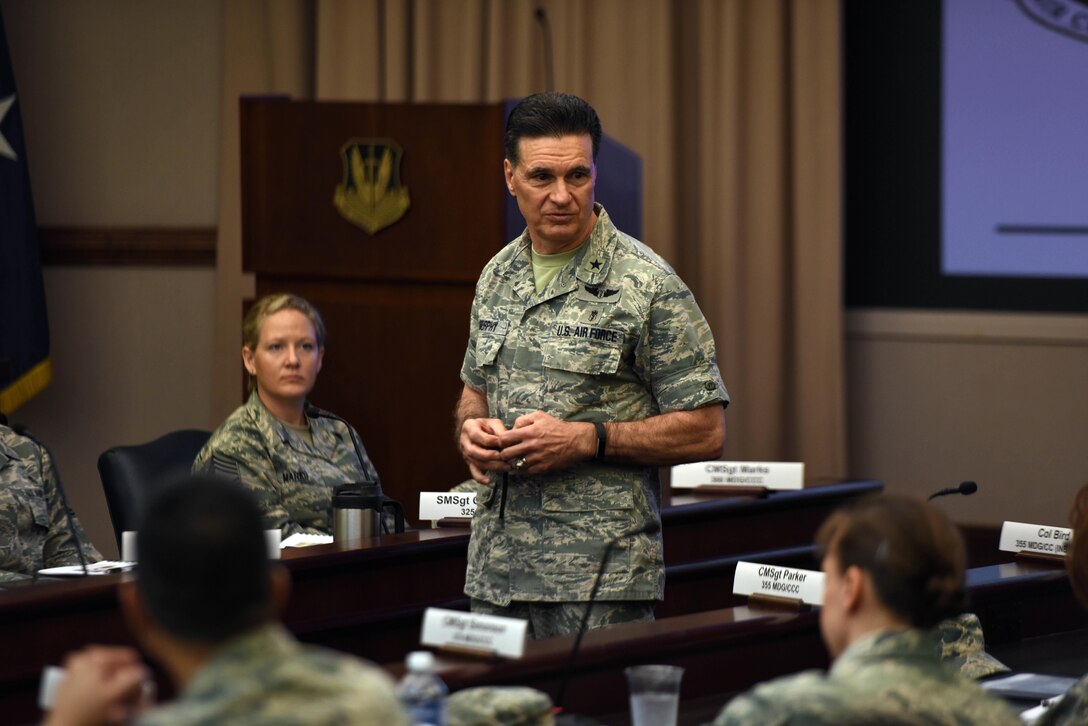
x,y
770,474
1034,539
436,505
753,578
505,636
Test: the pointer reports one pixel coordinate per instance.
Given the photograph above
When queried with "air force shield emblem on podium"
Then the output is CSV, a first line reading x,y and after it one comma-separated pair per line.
x,y
371,195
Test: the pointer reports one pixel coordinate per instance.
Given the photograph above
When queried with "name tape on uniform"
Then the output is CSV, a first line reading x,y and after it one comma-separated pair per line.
x,y
753,578
505,636
770,474
437,505
1034,538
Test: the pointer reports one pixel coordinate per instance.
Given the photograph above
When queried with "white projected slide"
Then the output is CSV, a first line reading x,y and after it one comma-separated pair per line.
x,y
1015,138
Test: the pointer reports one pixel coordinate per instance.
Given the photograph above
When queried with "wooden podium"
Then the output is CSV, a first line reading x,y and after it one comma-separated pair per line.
x,y
396,301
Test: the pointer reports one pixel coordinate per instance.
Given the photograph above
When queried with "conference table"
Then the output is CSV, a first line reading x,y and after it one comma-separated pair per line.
x,y
368,598
728,650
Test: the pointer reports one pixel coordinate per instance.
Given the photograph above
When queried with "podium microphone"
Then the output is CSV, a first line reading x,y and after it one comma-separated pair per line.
x,y
72,532
965,488
651,527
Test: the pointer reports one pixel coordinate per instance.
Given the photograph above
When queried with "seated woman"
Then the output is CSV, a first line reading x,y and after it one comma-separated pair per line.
x,y
291,461
1073,707
893,568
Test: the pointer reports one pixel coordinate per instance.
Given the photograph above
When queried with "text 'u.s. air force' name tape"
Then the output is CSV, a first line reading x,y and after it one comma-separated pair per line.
x,y
1034,539
770,474
755,579
504,636
438,505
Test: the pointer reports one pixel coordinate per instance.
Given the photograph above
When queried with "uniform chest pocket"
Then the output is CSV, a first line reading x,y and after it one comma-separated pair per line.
x,y
487,347
579,355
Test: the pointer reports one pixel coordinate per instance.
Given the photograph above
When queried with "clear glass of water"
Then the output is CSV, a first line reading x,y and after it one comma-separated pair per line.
x,y
655,694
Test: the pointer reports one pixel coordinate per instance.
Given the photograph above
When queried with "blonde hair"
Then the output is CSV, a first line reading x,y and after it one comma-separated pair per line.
x,y
270,305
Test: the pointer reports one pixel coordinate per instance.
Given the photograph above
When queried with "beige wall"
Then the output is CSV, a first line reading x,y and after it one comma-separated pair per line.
x,y
936,398
120,100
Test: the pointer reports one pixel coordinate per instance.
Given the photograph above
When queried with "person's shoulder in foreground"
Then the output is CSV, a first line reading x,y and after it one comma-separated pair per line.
x,y
266,677
1073,707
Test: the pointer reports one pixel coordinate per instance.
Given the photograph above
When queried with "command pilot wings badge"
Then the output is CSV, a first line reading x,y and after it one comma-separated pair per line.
x,y
371,195
598,293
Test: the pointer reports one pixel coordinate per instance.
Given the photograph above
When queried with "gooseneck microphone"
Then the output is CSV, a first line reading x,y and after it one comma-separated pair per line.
x,y
69,519
965,488
651,527
364,464
541,16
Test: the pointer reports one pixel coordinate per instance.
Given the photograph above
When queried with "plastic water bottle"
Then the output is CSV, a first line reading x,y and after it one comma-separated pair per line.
x,y
422,692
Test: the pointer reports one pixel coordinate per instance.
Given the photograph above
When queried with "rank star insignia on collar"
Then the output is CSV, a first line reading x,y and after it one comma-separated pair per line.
x,y
596,264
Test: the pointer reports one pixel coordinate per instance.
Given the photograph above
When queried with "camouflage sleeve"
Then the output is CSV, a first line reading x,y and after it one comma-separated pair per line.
x,y
60,546
677,356
1072,709
17,559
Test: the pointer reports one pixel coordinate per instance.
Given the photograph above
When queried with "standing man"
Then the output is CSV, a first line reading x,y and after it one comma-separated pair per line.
x,y
588,366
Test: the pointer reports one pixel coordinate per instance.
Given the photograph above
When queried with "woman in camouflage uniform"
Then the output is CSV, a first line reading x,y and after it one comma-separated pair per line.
x,y
893,568
274,445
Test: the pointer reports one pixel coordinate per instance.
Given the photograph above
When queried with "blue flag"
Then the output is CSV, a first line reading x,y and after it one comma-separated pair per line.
x,y
25,368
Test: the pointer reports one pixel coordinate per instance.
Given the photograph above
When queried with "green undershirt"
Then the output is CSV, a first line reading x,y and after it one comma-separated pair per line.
x,y
546,267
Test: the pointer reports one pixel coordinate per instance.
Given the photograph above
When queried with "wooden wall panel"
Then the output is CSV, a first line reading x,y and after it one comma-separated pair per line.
x,y
396,303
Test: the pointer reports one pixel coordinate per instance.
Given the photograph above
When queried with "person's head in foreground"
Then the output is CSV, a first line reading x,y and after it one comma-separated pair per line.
x,y
889,562
1073,706
1076,557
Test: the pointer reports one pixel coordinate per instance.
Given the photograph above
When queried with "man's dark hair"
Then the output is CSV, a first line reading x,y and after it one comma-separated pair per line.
x,y
551,114
203,570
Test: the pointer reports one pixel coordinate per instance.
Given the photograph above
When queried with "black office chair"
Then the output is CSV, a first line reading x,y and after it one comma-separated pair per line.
x,y
132,474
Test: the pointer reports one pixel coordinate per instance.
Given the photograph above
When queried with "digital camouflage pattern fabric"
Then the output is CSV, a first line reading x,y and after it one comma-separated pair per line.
x,y
1072,710
499,706
291,478
893,677
34,531
549,619
615,336
266,677
963,647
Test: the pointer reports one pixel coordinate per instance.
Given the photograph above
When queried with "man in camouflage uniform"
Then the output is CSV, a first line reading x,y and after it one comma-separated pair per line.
x,y
291,471
202,606
34,529
588,366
